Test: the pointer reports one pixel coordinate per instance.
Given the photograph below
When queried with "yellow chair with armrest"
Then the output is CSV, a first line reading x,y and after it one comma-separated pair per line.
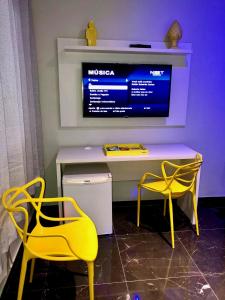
x,y
74,240
176,180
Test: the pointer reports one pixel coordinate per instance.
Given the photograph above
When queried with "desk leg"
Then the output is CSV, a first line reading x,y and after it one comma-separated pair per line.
x,y
59,187
185,202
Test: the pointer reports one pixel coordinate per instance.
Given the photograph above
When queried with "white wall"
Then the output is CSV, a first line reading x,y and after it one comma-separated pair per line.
x,y
203,24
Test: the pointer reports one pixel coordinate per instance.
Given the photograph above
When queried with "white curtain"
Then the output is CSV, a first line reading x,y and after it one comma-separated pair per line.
x,y
21,156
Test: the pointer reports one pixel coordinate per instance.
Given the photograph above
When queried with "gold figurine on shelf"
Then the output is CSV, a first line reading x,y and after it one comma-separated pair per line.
x,y
91,34
174,34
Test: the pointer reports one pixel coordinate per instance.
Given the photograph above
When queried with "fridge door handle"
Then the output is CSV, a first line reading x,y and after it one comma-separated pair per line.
x,y
89,181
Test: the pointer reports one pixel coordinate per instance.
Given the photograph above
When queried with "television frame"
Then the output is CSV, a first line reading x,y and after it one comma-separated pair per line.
x,y
133,67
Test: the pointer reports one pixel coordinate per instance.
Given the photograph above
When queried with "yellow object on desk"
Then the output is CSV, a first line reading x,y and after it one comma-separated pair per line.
x,y
124,149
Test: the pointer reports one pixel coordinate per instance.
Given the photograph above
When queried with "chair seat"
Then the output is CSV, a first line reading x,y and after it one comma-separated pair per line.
x,y
85,245
158,186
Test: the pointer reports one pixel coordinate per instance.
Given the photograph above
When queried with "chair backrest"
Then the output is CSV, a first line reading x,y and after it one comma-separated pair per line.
x,y
184,174
15,201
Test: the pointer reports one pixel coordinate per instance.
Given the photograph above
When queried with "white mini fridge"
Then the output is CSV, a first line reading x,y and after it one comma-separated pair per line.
x,y
91,186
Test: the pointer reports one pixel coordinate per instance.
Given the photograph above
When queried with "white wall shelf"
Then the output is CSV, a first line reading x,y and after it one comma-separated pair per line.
x,y
117,46
127,50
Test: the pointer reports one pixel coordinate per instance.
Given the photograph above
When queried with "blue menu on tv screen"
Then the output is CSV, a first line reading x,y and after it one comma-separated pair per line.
x,y
126,90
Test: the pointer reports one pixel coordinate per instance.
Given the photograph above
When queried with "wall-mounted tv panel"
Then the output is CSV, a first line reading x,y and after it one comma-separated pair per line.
x,y
112,85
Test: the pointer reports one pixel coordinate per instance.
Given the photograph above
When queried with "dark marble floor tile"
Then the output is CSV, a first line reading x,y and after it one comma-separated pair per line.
x,y
151,220
108,267
211,218
188,288
207,250
105,292
217,282
39,278
27,295
108,262
149,256
181,221
66,274
51,294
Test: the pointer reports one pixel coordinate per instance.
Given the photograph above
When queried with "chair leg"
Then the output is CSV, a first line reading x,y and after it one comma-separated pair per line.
x,y
90,265
164,208
22,274
171,220
138,205
32,270
195,212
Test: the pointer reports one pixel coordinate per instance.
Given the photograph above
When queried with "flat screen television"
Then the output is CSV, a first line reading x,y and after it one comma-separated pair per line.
x,y
126,90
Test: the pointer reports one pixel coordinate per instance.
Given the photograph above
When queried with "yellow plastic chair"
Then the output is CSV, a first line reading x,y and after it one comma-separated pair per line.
x,y
74,240
176,180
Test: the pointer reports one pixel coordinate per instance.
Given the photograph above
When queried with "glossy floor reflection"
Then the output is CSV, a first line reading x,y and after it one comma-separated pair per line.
x,y
138,263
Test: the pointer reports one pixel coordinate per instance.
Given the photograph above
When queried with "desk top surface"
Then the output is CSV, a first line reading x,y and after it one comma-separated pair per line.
x,y
82,154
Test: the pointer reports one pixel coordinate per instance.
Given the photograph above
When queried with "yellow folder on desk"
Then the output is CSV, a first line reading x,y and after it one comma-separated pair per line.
x,y
124,149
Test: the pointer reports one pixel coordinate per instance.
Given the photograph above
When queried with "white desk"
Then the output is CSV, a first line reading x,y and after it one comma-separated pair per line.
x,y
73,155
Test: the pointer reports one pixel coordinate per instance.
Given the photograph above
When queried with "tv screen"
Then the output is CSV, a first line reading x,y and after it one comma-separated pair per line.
x,y
126,90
